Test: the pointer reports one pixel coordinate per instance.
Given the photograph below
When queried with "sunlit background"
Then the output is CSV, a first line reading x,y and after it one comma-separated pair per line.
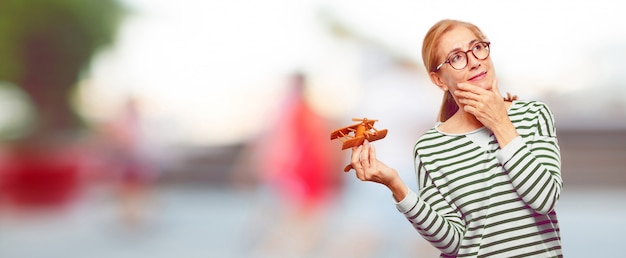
x,y
194,95
219,62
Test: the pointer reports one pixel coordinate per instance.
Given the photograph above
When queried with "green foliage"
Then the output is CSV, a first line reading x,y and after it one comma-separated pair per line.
x,y
45,45
80,26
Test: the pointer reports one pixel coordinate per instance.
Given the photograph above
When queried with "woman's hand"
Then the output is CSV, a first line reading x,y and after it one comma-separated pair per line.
x,y
489,108
486,105
368,168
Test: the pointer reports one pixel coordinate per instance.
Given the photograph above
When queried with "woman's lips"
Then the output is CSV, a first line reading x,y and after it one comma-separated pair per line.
x,y
478,76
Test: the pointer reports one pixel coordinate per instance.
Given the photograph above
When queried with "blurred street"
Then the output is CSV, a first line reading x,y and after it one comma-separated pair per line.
x,y
142,128
201,219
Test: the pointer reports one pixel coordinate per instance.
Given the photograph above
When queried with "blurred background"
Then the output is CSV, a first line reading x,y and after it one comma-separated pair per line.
x,y
151,128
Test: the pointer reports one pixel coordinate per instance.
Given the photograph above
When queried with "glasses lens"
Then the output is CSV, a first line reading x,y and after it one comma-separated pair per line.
x,y
481,50
458,60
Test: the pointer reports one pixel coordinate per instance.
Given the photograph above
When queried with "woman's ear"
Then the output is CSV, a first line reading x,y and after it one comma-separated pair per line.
x,y
437,80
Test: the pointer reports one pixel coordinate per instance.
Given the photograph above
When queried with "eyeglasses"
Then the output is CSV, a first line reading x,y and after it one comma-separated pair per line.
x,y
458,60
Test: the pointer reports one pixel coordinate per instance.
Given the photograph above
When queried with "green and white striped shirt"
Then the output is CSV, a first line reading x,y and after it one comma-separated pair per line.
x,y
479,200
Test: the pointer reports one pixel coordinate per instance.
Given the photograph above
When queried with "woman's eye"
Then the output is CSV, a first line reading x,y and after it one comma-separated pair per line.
x,y
455,58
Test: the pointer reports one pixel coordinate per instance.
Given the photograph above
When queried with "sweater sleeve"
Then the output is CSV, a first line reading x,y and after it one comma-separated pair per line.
x,y
432,216
533,163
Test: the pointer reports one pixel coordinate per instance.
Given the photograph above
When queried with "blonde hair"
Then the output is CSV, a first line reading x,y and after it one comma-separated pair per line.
x,y
430,48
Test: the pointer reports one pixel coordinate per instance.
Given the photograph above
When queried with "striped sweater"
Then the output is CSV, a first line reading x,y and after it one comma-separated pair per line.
x,y
479,200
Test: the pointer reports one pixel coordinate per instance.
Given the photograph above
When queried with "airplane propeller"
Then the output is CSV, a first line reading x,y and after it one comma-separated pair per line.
x,y
362,119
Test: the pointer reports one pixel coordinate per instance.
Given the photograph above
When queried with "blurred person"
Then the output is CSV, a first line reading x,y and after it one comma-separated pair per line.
x,y
136,173
298,173
488,172
296,158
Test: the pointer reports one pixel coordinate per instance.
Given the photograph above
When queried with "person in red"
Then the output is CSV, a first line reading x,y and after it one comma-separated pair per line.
x,y
296,158
295,168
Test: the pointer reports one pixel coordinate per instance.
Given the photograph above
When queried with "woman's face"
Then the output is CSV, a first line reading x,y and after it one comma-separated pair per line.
x,y
478,72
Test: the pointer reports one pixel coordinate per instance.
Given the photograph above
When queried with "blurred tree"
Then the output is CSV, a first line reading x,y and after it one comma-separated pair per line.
x,y
46,45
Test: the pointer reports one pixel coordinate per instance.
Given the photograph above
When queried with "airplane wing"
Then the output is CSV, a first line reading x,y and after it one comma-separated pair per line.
x,y
377,136
343,131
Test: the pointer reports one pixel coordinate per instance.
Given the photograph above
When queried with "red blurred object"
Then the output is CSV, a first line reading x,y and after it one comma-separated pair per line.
x,y
297,159
38,178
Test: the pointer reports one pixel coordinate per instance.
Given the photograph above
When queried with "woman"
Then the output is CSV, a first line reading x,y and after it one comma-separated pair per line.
x,y
489,171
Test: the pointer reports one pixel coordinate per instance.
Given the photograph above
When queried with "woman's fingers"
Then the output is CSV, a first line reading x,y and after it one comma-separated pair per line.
x,y
356,154
366,166
371,154
495,89
470,89
365,155
362,159
363,162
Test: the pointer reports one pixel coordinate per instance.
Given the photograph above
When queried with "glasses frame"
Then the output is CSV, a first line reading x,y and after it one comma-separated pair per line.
x,y
466,56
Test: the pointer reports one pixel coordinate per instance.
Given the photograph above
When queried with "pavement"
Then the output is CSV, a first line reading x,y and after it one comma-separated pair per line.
x,y
190,222
199,219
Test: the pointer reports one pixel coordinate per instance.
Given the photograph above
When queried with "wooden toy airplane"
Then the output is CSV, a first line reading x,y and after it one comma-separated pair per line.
x,y
356,134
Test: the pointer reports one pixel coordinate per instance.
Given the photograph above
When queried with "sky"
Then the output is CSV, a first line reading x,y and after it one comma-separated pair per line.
x,y
213,72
